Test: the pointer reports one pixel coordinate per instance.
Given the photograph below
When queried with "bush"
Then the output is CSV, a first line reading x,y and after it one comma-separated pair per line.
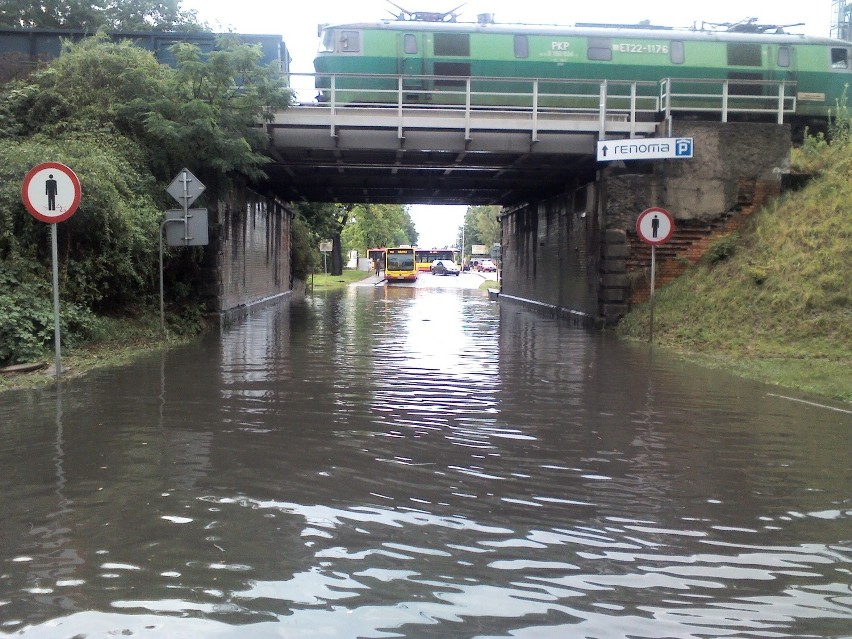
x,y
26,316
108,249
723,248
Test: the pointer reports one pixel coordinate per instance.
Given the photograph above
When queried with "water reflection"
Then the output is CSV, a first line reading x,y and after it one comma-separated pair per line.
x,y
406,462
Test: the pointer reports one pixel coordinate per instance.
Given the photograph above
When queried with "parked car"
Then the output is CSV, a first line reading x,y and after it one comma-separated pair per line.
x,y
444,267
488,266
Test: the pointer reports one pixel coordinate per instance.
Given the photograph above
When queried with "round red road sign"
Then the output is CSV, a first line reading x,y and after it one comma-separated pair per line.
x,y
655,226
51,192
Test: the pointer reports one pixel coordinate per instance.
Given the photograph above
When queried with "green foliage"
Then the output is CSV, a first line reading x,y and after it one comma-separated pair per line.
x,y
304,253
125,124
26,315
722,248
90,87
122,15
202,115
481,227
820,152
840,125
208,116
326,221
378,225
108,249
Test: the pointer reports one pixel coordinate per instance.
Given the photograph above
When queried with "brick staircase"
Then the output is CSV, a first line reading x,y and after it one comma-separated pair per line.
x,y
692,238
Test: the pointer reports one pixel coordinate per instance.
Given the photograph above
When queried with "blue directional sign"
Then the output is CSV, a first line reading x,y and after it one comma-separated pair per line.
x,y
645,149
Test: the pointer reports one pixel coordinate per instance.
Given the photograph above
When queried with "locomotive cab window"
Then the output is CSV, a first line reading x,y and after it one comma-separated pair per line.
x,y
599,49
350,41
455,44
522,46
839,58
784,57
410,43
327,45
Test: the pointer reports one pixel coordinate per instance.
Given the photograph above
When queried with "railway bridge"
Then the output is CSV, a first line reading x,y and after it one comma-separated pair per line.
x,y
567,219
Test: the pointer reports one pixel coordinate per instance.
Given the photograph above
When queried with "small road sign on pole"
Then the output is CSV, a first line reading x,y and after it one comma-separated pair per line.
x,y
185,188
51,193
654,226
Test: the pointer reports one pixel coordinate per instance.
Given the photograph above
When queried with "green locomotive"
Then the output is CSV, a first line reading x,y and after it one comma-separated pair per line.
x,y
434,61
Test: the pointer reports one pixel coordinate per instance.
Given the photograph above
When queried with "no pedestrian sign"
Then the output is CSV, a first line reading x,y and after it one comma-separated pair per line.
x,y
655,226
51,192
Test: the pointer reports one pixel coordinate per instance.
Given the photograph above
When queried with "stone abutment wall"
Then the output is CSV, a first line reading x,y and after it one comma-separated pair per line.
x,y
578,254
249,253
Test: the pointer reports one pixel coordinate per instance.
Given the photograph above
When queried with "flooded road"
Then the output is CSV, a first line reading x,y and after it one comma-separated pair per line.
x,y
415,462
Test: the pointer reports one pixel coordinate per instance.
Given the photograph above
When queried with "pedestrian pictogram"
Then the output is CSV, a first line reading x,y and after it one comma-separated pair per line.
x,y
655,226
51,192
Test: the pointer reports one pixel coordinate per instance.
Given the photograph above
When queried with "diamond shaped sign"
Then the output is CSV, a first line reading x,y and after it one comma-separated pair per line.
x,y
185,188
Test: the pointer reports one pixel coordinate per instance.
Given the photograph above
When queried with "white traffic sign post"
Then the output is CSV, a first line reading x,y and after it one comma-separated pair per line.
x,y
51,193
654,226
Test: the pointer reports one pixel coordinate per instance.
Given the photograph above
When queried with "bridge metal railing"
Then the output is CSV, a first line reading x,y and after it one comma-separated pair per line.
x,y
598,101
554,100
726,97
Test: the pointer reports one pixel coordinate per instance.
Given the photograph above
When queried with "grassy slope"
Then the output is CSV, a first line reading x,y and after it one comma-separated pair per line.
x,y
779,309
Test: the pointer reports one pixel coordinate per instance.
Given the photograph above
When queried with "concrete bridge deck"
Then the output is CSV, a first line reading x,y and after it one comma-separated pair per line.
x,y
404,148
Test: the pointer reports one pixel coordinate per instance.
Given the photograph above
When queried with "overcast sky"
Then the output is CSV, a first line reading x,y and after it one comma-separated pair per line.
x,y
297,22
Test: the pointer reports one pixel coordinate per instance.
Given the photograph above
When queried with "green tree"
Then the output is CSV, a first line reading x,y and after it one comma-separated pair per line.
x,y
481,226
326,221
125,124
211,116
203,115
148,15
378,225
90,15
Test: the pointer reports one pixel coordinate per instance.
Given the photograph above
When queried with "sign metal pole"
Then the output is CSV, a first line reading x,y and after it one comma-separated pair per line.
x,y
185,202
54,251
651,301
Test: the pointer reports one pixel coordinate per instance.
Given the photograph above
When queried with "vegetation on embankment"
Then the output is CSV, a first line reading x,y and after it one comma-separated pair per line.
x,y
773,302
116,341
126,125
327,281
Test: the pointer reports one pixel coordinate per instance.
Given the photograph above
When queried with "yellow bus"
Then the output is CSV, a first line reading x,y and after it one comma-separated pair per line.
x,y
400,265
425,257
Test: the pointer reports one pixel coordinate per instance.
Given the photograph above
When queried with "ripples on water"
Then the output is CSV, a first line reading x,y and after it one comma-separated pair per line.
x,y
421,463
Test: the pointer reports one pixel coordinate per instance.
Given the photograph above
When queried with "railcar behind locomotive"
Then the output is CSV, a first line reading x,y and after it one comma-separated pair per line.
x,y
425,57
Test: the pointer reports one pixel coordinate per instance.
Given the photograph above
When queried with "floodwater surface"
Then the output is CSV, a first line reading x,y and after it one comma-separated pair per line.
x,y
403,462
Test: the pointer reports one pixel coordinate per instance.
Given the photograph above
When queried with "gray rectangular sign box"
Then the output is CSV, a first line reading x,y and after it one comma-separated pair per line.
x,y
196,232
